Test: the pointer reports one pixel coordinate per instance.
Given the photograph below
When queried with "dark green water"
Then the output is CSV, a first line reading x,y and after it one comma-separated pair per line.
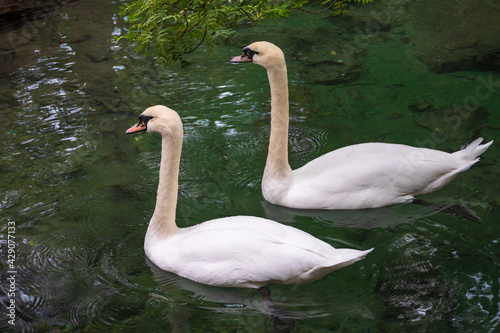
x,y
77,193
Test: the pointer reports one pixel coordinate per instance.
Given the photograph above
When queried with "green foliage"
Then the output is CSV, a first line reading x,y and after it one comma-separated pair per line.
x,y
178,27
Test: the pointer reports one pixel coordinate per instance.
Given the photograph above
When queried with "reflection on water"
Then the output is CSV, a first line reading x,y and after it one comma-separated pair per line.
x,y
384,217
81,193
279,308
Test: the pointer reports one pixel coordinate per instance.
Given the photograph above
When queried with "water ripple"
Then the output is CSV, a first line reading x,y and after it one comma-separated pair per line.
x,y
306,142
417,286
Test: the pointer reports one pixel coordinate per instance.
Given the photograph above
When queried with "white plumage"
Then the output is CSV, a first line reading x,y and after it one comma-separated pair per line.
x,y
367,175
247,251
239,251
373,175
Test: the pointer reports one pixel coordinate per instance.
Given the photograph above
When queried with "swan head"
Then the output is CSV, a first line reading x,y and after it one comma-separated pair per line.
x,y
261,53
158,119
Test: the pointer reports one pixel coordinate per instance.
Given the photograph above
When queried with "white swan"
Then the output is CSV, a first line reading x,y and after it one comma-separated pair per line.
x,y
239,251
367,175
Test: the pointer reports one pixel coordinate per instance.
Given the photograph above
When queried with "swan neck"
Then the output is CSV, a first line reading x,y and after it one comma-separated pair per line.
x,y
162,223
277,158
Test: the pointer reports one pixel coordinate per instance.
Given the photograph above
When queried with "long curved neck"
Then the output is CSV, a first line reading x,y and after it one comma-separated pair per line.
x,y
277,158
162,223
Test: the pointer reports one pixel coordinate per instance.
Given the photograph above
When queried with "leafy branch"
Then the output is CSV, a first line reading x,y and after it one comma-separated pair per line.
x,y
179,27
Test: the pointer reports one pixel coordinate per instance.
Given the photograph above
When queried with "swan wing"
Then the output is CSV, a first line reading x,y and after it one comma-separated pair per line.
x,y
371,175
250,252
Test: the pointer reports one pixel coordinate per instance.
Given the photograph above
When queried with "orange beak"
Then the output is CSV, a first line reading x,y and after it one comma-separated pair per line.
x,y
139,127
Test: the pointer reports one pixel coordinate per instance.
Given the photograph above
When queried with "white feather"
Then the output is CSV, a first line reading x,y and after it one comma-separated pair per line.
x,y
247,251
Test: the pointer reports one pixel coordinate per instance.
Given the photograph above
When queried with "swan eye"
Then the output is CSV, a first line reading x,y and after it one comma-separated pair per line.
x,y
144,119
249,52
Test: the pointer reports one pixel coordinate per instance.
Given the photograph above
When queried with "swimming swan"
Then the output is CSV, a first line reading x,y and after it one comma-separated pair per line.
x,y
238,251
367,175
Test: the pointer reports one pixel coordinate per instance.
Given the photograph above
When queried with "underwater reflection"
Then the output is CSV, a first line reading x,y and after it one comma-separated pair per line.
x,y
217,299
384,217
280,306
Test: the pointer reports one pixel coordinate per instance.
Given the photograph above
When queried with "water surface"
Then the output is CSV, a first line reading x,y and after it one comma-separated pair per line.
x,y
81,193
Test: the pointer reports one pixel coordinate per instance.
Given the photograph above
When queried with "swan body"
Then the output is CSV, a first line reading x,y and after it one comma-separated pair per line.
x,y
238,251
370,175
367,175
247,251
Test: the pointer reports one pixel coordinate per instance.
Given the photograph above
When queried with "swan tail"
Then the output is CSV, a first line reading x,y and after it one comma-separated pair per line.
x,y
346,257
474,150
340,259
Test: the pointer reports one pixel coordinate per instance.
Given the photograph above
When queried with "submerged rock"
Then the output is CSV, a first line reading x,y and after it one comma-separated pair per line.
x,y
419,107
22,10
453,122
454,35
